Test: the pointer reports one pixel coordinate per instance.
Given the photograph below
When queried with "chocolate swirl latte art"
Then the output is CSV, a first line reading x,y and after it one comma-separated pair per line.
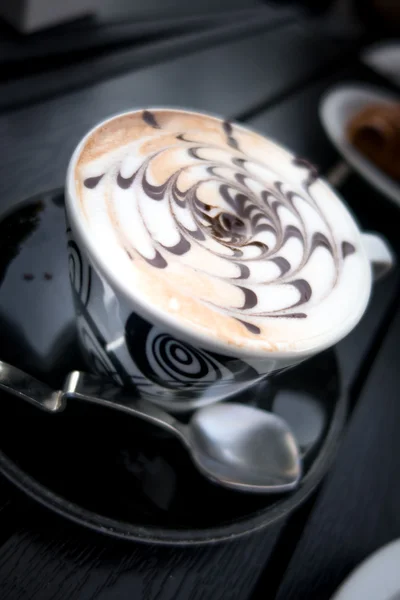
x,y
222,230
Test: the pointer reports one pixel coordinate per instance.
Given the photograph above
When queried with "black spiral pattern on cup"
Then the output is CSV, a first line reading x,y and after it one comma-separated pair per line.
x,y
176,365
241,230
80,272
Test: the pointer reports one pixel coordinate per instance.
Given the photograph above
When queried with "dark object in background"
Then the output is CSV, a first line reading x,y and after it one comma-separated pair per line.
x,y
375,132
381,16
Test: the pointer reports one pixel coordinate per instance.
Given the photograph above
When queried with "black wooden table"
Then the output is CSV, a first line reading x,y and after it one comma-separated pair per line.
x,y
269,73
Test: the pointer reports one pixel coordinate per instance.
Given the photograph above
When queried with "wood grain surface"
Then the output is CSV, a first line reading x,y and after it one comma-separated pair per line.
x,y
358,510
52,560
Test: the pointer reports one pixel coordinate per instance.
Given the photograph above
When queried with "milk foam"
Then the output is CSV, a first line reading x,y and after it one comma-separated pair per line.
x,y
221,228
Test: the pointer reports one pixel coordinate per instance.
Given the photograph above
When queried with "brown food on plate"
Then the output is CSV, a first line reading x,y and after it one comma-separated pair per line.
x,y
375,132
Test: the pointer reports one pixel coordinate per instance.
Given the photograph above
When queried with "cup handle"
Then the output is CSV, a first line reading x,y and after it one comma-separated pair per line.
x,y
379,253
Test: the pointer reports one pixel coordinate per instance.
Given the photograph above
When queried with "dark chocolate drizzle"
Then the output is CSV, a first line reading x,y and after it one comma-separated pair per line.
x,y
91,182
250,298
125,182
292,231
180,248
312,170
238,221
228,129
250,327
244,271
150,119
304,289
347,249
320,240
158,261
282,263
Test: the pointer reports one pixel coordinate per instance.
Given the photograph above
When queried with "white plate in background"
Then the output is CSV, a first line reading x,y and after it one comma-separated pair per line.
x,y
384,59
337,107
377,578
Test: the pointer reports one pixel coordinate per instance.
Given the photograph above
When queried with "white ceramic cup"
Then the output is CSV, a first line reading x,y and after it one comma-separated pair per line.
x,y
140,346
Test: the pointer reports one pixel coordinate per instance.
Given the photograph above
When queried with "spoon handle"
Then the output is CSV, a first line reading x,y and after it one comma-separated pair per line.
x,y
104,392
28,388
87,387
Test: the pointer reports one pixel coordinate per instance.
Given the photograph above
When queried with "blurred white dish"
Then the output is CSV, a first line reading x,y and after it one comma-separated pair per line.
x,y
384,59
336,109
377,578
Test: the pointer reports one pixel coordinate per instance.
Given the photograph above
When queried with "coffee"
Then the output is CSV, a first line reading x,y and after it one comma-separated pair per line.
x,y
222,230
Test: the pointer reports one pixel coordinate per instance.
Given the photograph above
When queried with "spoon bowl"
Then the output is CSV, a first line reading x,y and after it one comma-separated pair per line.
x,y
244,448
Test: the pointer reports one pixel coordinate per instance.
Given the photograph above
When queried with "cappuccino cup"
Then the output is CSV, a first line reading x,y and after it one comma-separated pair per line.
x,y
203,256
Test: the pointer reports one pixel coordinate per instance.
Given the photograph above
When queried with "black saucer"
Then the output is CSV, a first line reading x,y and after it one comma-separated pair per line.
x,y
105,470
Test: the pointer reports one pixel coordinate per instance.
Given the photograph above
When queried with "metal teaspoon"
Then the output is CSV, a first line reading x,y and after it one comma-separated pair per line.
x,y
234,445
